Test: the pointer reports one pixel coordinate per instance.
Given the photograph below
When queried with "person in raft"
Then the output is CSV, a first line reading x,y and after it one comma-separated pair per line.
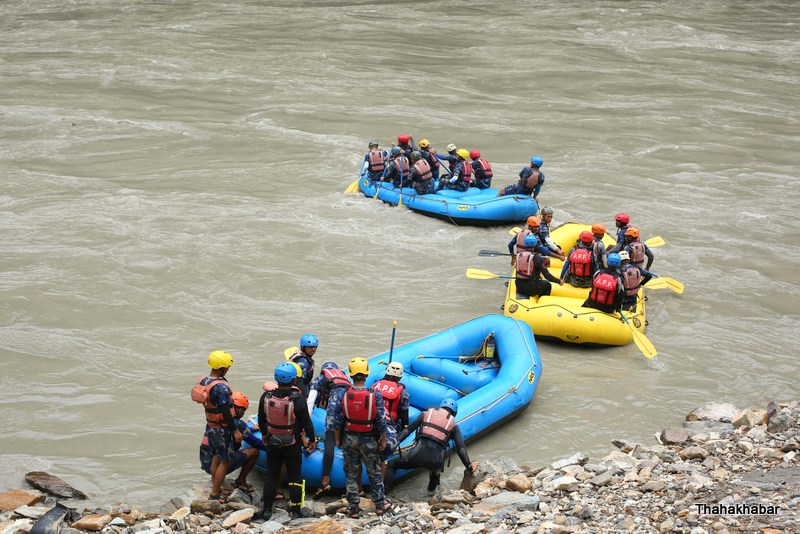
x,y
607,289
581,263
304,358
531,266
374,162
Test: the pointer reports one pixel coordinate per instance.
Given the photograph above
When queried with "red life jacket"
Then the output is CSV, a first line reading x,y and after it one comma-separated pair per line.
x,y
335,378
487,168
580,262
391,392
377,161
631,279
360,408
604,287
280,414
525,267
521,239
467,171
437,423
423,169
201,393
637,253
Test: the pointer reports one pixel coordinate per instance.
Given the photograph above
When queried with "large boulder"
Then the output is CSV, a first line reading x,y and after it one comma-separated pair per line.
x,y
714,411
53,485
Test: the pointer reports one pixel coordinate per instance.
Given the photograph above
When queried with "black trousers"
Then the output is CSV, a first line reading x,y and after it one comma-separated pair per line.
x,y
292,458
532,287
426,454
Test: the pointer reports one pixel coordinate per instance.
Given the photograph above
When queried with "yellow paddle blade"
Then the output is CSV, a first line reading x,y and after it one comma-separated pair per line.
x,y
291,350
352,188
515,230
656,241
656,283
673,284
400,202
480,274
643,344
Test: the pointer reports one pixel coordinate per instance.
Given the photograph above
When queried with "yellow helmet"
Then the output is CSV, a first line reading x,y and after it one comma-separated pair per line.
x,y
299,369
219,359
462,153
424,143
358,365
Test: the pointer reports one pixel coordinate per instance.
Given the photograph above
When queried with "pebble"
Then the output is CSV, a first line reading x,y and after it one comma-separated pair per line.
x,y
734,459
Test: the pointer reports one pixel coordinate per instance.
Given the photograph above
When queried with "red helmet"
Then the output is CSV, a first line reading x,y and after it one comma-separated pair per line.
x,y
622,217
534,221
631,231
240,400
587,237
598,229
402,139
474,154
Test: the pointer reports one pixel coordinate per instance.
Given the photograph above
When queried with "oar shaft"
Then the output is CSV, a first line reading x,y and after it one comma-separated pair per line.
x,y
391,346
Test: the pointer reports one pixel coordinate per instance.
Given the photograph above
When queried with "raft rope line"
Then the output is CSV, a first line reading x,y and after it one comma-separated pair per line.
x,y
514,388
574,313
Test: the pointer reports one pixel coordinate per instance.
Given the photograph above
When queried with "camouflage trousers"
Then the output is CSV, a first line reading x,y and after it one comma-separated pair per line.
x,y
360,449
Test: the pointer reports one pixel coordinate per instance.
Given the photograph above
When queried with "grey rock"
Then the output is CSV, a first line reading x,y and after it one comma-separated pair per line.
x,y
53,485
714,411
702,427
576,459
270,526
777,424
603,479
673,436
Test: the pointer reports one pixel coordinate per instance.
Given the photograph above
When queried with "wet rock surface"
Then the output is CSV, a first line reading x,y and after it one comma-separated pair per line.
x,y
736,473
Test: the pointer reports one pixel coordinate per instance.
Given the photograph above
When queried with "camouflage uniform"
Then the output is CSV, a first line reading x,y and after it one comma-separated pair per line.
x,y
362,447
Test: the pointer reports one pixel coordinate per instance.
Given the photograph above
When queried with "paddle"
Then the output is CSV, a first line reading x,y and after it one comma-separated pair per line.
x,y
391,346
352,188
492,253
661,282
656,241
515,230
640,339
480,274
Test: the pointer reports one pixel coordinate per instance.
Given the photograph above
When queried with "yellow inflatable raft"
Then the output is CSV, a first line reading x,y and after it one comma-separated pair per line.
x,y
562,315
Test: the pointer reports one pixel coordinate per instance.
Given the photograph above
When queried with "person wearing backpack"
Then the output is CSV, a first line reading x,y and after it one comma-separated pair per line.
x,y
359,424
216,396
607,290
326,392
531,267
282,416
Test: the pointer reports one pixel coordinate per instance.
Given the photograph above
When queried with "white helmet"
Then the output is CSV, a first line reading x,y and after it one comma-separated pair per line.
x,y
624,256
395,369
451,147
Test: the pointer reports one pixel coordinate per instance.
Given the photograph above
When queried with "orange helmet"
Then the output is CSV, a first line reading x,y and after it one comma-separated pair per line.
x,y
240,400
535,221
598,229
586,237
631,231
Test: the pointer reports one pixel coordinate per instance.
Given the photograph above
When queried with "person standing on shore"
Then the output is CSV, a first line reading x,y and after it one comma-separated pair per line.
x,y
214,393
436,428
360,429
304,358
243,458
282,416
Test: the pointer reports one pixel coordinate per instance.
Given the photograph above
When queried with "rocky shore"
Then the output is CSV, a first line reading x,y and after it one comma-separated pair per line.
x,y
723,470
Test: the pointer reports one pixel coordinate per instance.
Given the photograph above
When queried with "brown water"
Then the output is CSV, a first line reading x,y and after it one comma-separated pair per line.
x,y
172,178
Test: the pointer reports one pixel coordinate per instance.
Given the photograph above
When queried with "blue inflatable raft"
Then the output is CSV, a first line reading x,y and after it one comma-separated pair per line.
x,y
474,207
489,392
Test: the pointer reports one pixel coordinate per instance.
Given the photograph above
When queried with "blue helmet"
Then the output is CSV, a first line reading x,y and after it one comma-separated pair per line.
x,y
396,150
329,365
285,373
531,241
450,404
537,160
525,173
614,260
309,340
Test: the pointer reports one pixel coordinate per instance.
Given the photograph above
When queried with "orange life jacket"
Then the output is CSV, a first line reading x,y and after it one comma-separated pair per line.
x,y
377,161
423,169
201,393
